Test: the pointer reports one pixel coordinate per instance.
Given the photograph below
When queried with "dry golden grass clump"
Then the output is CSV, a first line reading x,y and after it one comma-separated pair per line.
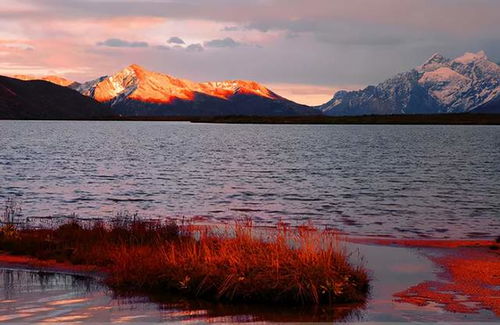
x,y
232,264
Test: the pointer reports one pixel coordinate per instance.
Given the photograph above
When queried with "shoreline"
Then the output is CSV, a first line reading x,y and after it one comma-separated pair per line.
x,y
465,279
421,243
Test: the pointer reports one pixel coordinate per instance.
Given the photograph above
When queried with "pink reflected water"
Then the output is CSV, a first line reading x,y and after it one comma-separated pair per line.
x,y
386,180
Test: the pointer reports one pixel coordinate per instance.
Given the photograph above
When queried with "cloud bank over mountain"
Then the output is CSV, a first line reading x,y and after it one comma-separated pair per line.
x,y
323,43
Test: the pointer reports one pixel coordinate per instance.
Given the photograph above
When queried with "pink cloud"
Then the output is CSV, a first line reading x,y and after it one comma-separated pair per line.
x,y
293,41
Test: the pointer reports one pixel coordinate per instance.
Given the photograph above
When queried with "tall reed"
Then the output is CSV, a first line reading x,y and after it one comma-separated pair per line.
x,y
232,263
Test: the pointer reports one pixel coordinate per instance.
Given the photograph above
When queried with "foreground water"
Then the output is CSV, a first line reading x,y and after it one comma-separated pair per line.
x,y
29,296
403,181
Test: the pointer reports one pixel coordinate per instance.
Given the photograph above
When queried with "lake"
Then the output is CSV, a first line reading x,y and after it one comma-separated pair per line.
x,y
384,180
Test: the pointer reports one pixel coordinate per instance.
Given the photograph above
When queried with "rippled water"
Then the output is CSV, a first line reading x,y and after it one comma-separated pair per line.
x,y
404,181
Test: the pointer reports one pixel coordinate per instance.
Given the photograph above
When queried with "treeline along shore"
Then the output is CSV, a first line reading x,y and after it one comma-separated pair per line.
x,y
452,119
431,119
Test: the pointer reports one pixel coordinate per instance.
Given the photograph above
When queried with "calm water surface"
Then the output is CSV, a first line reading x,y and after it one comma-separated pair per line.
x,y
28,296
404,181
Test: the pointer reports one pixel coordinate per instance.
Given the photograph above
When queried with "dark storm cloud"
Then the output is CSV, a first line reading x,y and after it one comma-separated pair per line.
x,y
116,42
320,42
175,40
194,48
231,28
162,47
220,43
406,12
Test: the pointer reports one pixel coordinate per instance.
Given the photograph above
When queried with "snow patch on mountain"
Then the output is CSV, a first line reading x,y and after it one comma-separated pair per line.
x,y
445,84
469,57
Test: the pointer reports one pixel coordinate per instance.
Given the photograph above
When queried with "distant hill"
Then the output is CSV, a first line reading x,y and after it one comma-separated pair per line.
x,y
44,100
135,91
469,83
440,85
54,79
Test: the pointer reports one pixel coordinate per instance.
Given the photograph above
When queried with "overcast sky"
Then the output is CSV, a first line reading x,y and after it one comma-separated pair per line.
x,y
302,49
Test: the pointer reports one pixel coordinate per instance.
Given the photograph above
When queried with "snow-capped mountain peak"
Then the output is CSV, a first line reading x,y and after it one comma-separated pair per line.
x,y
136,83
470,57
436,58
136,90
434,62
135,67
438,85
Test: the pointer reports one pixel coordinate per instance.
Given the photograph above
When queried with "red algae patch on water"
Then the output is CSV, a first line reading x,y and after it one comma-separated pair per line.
x,y
470,282
470,278
48,265
424,243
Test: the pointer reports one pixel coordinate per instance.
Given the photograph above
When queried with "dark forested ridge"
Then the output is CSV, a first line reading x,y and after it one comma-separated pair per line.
x,y
44,100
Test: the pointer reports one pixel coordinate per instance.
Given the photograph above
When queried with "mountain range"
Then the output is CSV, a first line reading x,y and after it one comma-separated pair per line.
x,y
135,91
440,85
469,83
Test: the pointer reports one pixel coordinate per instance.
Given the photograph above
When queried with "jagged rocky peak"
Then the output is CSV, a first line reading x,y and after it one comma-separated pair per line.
x,y
436,58
437,61
434,62
136,70
135,67
131,71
